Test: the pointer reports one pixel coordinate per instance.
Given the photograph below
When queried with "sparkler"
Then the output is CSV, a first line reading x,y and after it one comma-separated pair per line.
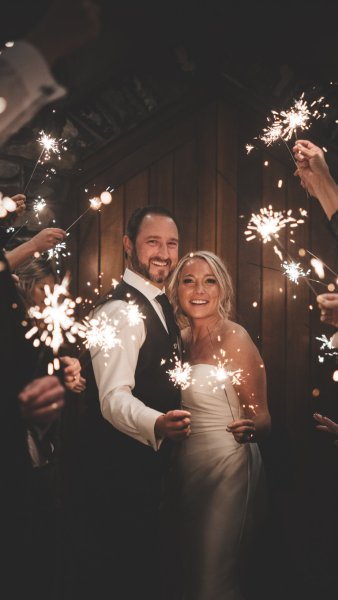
x,y
222,374
294,271
133,313
38,205
267,224
49,146
327,347
56,253
94,204
180,375
57,317
100,332
284,124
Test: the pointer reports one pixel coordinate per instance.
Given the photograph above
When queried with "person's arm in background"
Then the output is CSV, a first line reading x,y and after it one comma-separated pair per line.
x,y
316,178
26,81
42,241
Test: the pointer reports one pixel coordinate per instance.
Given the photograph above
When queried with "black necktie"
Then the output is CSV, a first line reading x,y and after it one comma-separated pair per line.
x,y
169,317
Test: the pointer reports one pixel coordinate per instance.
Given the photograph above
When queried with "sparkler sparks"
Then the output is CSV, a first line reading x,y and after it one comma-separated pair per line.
x,y
133,313
180,375
57,316
327,347
294,271
100,332
221,374
284,124
267,224
49,146
38,205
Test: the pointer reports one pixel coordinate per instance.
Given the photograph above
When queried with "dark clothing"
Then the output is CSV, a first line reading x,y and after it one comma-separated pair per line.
x,y
120,479
334,224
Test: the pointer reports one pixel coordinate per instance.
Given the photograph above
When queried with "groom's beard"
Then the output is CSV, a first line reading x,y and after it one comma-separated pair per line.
x,y
162,275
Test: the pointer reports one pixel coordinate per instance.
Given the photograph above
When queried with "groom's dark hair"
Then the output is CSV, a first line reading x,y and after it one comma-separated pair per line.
x,y
135,221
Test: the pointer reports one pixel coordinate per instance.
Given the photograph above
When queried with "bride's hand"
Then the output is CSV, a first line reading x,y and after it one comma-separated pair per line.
x,y
243,430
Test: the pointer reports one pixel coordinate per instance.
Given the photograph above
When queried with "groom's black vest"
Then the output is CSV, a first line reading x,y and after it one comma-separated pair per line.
x,y
117,458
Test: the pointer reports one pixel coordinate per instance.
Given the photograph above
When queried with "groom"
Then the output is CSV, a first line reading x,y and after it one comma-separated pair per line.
x,y
132,433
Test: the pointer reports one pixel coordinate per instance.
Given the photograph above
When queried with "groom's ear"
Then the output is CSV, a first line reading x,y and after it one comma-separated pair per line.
x,y
127,246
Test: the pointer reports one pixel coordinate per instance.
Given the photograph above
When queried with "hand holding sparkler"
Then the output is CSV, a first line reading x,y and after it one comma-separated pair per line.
x,y
328,305
42,400
44,240
315,176
174,425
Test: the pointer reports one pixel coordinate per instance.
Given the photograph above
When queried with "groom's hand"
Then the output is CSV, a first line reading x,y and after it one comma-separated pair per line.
x,y
174,425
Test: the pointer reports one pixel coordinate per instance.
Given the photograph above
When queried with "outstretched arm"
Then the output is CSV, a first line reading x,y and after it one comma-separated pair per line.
x,y
315,176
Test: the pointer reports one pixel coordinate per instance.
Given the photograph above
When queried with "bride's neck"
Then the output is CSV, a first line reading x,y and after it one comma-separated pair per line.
x,y
201,328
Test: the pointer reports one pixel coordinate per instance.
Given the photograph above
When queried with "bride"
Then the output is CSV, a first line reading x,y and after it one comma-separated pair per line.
x,y
218,467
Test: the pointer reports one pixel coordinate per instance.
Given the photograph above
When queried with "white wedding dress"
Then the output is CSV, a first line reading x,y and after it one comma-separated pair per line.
x,y
216,482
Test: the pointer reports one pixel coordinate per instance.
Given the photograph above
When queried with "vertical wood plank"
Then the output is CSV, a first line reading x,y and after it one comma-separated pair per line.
x,y
273,296
185,195
161,186
206,179
226,182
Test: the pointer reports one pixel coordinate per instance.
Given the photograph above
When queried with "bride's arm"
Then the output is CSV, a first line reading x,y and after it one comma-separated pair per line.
x,y
243,354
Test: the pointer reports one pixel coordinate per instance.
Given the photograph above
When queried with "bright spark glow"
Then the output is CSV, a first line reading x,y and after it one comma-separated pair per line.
x,y
318,267
49,146
267,223
181,374
327,346
57,316
284,124
58,251
133,313
221,374
100,332
95,203
38,205
249,148
294,271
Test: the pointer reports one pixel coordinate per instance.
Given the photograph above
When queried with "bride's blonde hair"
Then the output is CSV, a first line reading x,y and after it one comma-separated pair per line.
x,y
221,275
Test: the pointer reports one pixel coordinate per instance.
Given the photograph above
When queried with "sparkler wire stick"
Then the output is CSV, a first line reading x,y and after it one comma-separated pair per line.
x,y
78,218
34,169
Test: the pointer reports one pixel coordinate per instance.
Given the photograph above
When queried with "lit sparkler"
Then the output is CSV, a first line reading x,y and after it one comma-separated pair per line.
x,y
100,332
133,313
95,203
56,253
57,316
221,374
294,271
49,146
249,148
180,375
267,224
38,205
284,124
327,346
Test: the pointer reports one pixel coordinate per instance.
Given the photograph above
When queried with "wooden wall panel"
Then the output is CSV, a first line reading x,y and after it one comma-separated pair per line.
x,y
161,188
226,185
273,293
299,297
111,251
136,194
206,179
185,195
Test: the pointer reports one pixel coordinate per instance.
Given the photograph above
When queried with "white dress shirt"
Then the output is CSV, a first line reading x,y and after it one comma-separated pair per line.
x,y
26,85
115,373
